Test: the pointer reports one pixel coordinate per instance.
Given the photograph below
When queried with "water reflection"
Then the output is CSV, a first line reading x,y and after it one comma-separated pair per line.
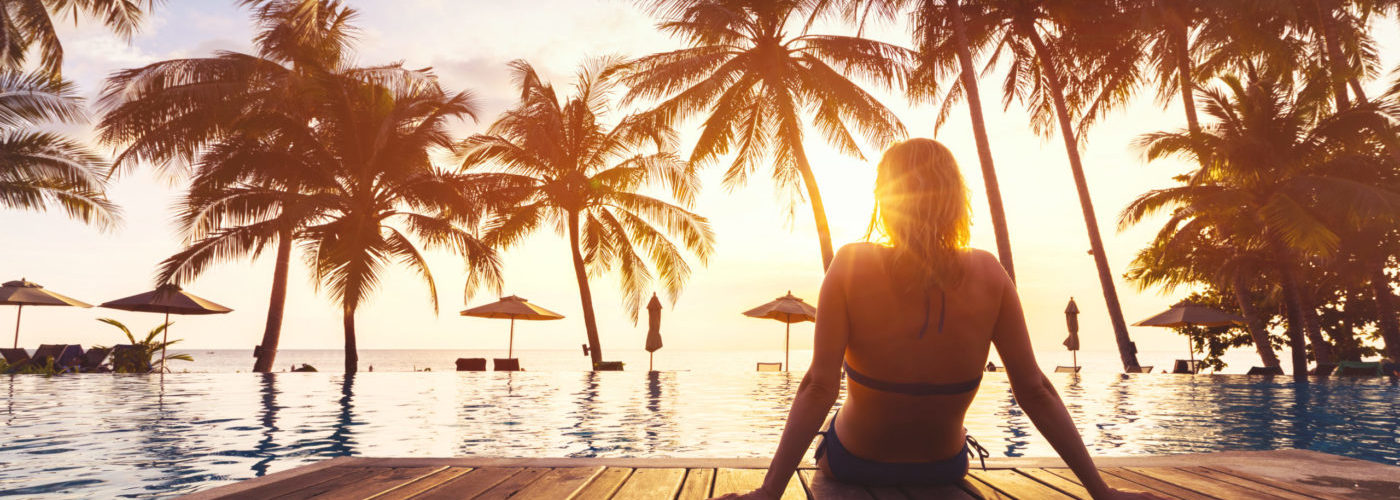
x,y
107,436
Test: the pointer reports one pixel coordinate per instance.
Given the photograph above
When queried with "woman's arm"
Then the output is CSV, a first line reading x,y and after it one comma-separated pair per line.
x,y
1037,397
820,387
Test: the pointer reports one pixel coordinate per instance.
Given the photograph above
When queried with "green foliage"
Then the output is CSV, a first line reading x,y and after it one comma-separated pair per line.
x,y
47,369
149,349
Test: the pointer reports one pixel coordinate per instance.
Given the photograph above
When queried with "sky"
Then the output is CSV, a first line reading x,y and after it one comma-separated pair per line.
x,y
762,250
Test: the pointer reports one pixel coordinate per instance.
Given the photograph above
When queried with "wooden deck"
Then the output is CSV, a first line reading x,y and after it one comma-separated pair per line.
x,y
1285,474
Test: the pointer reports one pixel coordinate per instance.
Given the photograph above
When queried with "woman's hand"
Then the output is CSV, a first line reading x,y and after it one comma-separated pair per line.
x,y
758,494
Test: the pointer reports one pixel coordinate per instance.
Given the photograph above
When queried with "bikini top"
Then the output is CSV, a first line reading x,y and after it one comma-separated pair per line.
x,y
914,388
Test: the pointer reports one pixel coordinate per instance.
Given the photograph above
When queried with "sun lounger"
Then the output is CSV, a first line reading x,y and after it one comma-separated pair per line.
x,y
1265,370
506,364
94,358
1186,366
130,359
1067,369
770,367
65,356
15,358
1146,369
471,364
1358,369
1324,369
608,366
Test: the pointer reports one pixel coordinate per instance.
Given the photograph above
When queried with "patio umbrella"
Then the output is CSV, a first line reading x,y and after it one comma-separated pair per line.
x,y
1184,314
653,329
27,293
1072,322
789,309
168,299
514,308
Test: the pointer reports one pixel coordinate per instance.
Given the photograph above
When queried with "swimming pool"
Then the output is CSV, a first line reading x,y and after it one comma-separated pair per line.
x,y
138,436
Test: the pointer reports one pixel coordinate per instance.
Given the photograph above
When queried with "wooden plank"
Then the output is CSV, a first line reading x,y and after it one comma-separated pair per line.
x,y
1199,483
823,487
1016,485
366,482
645,484
1300,488
886,493
513,484
698,484
606,483
946,492
563,482
1112,481
422,484
1280,490
470,484
1148,483
745,480
979,489
293,484
1072,488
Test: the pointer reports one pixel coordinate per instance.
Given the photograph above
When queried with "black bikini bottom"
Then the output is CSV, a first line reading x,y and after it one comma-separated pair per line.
x,y
846,467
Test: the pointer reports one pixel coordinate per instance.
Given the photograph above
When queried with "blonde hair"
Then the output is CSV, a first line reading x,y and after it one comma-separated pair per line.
x,y
921,209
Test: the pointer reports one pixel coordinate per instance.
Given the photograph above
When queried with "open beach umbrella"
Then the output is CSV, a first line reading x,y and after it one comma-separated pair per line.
x,y
168,299
653,328
1184,313
789,309
1072,322
514,308
27,293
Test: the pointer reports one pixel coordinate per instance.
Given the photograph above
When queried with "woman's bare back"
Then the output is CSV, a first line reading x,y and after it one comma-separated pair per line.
x,y
886,343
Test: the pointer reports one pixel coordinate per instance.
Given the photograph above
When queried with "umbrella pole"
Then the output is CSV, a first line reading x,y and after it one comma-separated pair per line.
x,y
786,340
651,357
1075,356
164,337
18,313
510,348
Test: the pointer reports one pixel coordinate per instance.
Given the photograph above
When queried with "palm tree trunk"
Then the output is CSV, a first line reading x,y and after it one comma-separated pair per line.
x,y
984,147
1184,82
1385,308
1336,62
1348,349
1322,349
585,295
1257,332
1293,309
266,352
1126,350
809,180
352,356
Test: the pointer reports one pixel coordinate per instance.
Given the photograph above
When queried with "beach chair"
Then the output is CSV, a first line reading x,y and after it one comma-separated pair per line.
x,y
1067,369
1186,366
65,356
471,364
129,358
94,358
770,367
1324,369
1265,370
607,366
1146,369
1358,369
15,358
506,364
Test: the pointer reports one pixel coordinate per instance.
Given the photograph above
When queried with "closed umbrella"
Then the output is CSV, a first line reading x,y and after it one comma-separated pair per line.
x,y
514,308
167,299
1072,322
653,329
27,293
1184,314
789,309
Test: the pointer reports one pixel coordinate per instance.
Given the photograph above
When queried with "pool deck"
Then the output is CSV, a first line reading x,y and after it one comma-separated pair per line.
x,y
1282,474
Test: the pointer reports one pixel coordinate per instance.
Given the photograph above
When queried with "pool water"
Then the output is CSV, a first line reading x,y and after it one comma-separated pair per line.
x,y
144,436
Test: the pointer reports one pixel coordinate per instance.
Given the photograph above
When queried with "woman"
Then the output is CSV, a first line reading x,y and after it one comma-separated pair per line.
x,y
912,323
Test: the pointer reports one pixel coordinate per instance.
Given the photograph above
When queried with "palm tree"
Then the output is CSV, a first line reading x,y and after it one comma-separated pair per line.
x,y
25,24
571,170
39,169
375,142
1042,39
170,112
752,80
1273,172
